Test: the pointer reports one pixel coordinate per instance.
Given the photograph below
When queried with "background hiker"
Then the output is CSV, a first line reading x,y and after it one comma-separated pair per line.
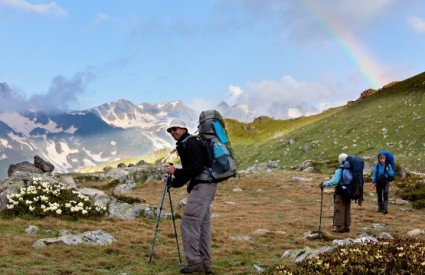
x,y
382,175
196,221
342,206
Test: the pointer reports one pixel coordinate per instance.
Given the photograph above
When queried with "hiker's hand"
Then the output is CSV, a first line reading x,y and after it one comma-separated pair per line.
x,y
321,185
170,169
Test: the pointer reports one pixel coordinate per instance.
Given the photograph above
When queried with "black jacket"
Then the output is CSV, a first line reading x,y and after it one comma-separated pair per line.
x,y
191,153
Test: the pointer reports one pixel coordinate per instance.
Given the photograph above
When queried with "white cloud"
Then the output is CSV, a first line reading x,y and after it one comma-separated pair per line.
x,y
234,93
42,9
286,97
294,113
418,24
286,89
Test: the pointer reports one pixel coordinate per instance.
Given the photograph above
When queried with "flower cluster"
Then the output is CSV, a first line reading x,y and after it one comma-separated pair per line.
x,y
402,256
42,199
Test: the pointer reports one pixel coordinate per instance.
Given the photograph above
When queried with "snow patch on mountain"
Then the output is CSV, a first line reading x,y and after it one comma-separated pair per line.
x,y
59,159
96,157
22,141
25,126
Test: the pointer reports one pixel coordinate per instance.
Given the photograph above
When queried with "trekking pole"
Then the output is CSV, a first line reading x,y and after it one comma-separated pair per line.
x,y
172,216
321,207
159,217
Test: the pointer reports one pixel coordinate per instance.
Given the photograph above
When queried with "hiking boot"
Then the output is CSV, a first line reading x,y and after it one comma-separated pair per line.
x,y
347,228
339,229
199,267
385,212
208,269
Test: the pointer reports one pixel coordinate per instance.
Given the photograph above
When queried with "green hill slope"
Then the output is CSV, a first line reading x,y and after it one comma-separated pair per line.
x,y
392,118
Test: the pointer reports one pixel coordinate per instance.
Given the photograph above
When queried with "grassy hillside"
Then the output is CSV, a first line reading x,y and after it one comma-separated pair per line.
x,y
391,118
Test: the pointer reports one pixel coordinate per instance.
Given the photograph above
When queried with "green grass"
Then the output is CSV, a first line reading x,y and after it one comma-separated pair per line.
x,y
391,118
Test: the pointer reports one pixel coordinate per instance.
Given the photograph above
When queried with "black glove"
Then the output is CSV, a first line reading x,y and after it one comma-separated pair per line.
x,y
321,185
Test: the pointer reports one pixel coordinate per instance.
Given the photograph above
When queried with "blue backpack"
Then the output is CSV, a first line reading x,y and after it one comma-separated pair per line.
x,y
389,160
351,184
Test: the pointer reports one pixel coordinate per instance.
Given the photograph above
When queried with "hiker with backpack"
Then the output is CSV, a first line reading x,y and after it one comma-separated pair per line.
x,y
342,205
196,221
382,175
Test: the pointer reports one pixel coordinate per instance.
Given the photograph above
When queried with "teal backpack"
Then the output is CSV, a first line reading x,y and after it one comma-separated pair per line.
x,y
213,135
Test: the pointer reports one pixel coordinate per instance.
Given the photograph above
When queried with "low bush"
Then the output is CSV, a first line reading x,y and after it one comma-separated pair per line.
x,y
402,256
412,189
41,199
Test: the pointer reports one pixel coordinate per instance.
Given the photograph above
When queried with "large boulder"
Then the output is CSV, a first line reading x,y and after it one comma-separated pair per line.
x,y
42,164
24,167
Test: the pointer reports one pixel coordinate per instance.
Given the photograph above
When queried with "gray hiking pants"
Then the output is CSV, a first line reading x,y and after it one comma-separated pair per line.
x,y
196,224
342,211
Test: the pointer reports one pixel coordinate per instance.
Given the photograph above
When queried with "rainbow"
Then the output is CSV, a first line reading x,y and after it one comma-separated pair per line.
x,y
365,63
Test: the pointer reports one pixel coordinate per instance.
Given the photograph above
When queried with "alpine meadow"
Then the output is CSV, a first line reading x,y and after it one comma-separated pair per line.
x,y
262,218
390,118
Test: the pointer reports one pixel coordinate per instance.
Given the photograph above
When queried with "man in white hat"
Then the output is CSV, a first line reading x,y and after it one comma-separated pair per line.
x,y
342,207
196,220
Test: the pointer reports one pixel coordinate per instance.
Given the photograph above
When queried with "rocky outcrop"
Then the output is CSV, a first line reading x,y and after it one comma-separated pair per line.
x,y
40,166
24,166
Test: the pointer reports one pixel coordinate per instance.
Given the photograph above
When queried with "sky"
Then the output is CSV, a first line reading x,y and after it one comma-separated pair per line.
x,y
308,54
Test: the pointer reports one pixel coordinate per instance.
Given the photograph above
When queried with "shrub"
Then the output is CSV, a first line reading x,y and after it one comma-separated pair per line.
x,y
41,199
112,184
413,189
127,199
402,256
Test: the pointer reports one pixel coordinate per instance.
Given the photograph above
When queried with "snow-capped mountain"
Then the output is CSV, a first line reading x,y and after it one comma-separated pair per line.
x,y
110,132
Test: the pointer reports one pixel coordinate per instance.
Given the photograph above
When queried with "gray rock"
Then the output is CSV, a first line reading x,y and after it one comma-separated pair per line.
x,y
68,181
32,229
25,167
43,165
98,237
415,232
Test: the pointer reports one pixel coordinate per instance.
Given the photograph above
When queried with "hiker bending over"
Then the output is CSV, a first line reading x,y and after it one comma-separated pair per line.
x,y
381,176
196,222
342,206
